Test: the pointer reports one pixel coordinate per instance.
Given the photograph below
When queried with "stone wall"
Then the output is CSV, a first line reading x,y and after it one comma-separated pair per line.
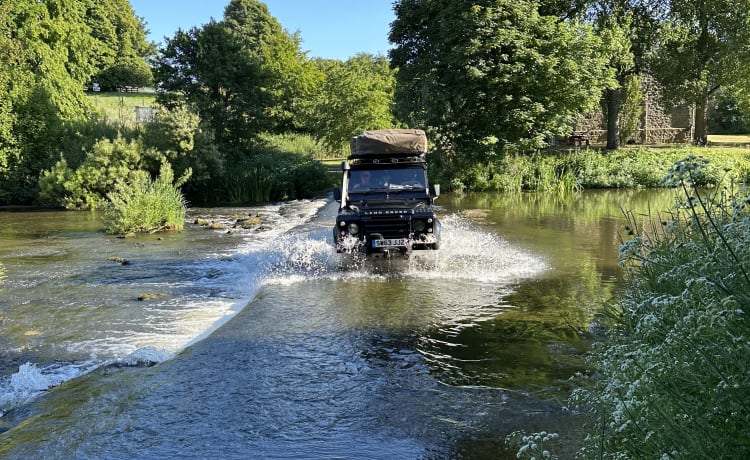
x,y
656,127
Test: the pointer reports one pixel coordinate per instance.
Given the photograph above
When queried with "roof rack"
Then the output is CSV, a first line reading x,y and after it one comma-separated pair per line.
x,y
387,159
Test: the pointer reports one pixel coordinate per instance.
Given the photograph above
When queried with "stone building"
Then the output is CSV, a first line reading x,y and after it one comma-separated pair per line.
x,y
656,126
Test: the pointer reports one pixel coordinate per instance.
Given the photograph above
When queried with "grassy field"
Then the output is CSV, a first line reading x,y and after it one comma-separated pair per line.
x,y
729,140
119,108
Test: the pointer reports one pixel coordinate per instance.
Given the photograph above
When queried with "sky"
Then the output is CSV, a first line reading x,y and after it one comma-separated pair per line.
x,y
332,29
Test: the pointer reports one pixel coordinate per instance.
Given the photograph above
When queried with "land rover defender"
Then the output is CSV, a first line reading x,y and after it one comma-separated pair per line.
x,y
386,202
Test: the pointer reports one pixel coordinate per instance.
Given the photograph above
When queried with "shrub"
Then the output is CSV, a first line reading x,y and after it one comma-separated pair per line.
x,y
673,377
176,135
86,186
143,205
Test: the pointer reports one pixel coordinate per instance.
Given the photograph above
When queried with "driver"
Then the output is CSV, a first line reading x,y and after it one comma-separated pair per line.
x,y
364,181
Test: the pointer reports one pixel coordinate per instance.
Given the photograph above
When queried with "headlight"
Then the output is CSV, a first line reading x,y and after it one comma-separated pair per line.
x,y
418,225
353,228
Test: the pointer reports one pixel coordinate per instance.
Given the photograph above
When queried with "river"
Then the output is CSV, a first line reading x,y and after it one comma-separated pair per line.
x,y
264,343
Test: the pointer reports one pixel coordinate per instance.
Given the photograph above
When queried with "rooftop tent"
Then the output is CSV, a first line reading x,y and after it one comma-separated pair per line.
x,y
389,142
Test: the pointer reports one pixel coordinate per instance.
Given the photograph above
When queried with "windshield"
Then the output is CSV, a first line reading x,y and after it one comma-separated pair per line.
x,y
387,179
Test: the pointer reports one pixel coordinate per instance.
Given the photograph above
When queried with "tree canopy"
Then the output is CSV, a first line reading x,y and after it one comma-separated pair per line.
x,y
703,46
48,51
355,95
121,48
494,74
245,75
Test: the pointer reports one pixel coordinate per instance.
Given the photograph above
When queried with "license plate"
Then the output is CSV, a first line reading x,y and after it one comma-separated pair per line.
x,y
388,243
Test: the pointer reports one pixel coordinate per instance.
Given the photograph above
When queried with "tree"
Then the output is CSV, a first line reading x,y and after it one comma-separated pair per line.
x,y
178,138
121,49
356,95
48,51
627,29
217,77
704,46
727,116
492,75
43,66
244,75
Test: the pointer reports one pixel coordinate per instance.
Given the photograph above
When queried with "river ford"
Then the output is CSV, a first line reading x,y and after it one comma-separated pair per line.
x,y
264,343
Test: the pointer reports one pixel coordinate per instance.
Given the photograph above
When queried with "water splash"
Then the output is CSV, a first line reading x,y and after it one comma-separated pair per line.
x,y
31,380
467,252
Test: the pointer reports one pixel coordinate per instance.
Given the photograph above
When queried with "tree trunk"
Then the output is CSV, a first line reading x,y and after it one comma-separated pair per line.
x,y
614,104
700,133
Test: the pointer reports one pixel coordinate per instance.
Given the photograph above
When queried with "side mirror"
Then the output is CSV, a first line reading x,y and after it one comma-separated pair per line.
x,y
436,190
337,194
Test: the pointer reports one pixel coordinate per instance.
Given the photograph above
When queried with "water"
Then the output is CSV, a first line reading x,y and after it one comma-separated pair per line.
x,y
264,343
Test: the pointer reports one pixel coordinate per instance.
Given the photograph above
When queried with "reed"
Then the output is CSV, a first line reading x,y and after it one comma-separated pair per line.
x,y
593,169
146,205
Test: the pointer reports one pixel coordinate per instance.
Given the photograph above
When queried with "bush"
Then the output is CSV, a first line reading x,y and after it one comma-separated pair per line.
x,y
143,205
86,186
176,135
673,379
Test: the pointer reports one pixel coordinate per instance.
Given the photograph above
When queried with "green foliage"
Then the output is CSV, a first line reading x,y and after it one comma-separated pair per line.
x,y
121,49
42,68
218,79
631,110
244,75
727,116
48,51
672,378
86,186
356,95
704,46
298,144
273,172
37,130
126,72
494,74
143,205
178,137
565,171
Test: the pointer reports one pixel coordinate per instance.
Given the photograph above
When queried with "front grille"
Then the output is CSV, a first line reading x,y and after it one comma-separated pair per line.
x,y
388,226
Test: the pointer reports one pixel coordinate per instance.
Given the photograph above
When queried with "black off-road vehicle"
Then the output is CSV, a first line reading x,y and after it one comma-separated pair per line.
x,y
386,201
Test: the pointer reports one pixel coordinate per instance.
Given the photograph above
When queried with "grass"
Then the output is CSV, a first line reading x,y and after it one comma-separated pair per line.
x,y
562,171
729,140
119,108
